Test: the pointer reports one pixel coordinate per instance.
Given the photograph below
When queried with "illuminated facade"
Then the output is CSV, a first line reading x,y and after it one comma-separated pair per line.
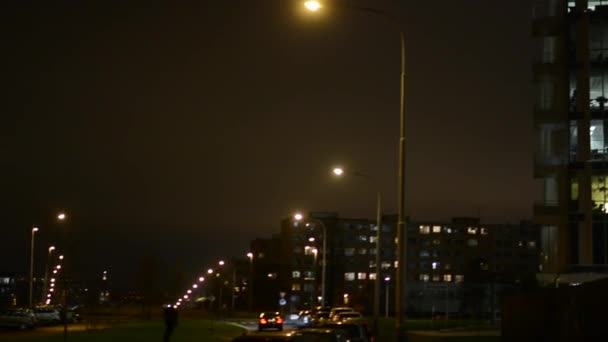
x,y
571,159
447,262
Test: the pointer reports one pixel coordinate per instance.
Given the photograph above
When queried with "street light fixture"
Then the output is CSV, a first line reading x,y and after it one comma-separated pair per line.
x,y
299,217
401,231
339,172
386,296
34,230
46,272
250,256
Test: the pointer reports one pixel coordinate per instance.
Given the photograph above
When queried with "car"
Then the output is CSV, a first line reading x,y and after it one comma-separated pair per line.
x,y
304,319
337,310
320,318
21,319
347,315
270,320
47,316
355,332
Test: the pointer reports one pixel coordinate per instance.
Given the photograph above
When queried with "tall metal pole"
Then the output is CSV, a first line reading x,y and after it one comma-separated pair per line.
x,y
386,296
34,230
233,284
324,266
250,255
400,290
378,259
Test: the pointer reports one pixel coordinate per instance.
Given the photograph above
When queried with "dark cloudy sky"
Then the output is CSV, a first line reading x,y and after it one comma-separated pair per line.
x,y
187,130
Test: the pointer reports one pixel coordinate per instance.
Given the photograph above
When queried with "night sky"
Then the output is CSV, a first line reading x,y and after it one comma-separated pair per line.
x,y
186,131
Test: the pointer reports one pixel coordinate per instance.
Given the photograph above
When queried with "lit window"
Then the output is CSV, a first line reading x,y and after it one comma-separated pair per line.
x,y
425,229
436,277
373,228
349,276
396,263
459,278
436,229
362,237
349,251
296,274
362,251
447,277
483,231
424,277
531,244
385,265
472,242
372,264
435,265
448,230
520,244
272,276
372,276
296,287
472,230
361,276
373,239
309,275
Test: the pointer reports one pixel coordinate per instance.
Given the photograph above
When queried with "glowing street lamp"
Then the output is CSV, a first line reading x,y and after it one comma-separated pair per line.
x,y
210,271
299,217
400,288
339,172
312,5
34,230
61,216
201,279
221,262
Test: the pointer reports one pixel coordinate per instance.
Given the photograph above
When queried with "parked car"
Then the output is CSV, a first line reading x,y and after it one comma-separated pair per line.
x,y
304,319
337,310
347,315
320,318
47,316
21,319
270,320
355,332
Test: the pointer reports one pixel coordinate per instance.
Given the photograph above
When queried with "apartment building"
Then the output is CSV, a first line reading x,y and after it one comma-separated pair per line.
x,y
571,160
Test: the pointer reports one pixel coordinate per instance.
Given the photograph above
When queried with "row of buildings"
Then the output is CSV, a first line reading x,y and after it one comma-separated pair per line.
x,y
460,266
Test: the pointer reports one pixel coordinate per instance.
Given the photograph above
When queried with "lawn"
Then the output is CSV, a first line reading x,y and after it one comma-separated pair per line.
x,y
189,330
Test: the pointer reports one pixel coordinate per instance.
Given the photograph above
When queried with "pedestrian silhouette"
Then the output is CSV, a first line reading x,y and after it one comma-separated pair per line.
x,y
170,314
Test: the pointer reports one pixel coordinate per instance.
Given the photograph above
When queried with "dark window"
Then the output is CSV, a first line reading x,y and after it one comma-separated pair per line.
x,y
599,243
574,242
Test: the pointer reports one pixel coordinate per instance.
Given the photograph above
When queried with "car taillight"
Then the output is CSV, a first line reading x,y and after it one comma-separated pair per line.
x,y
263,321
279,320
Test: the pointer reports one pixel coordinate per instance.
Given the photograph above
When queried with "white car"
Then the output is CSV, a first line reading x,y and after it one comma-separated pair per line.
x,y
47,316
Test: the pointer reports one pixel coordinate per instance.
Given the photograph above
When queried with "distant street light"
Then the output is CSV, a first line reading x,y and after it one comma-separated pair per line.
x,y
46,272
210,271
386,296
338,171
299,217
400,290
34,230
61,216
250,256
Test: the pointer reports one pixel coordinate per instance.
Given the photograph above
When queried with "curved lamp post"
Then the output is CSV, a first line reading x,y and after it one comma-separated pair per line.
x,y
340,172
401,231
299,217
34,230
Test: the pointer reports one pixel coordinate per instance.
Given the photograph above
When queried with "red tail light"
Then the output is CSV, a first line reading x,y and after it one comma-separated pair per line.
x,y
279,320
263,321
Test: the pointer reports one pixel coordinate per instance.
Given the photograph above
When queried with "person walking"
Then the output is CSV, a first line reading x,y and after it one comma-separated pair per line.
x,y
170,314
